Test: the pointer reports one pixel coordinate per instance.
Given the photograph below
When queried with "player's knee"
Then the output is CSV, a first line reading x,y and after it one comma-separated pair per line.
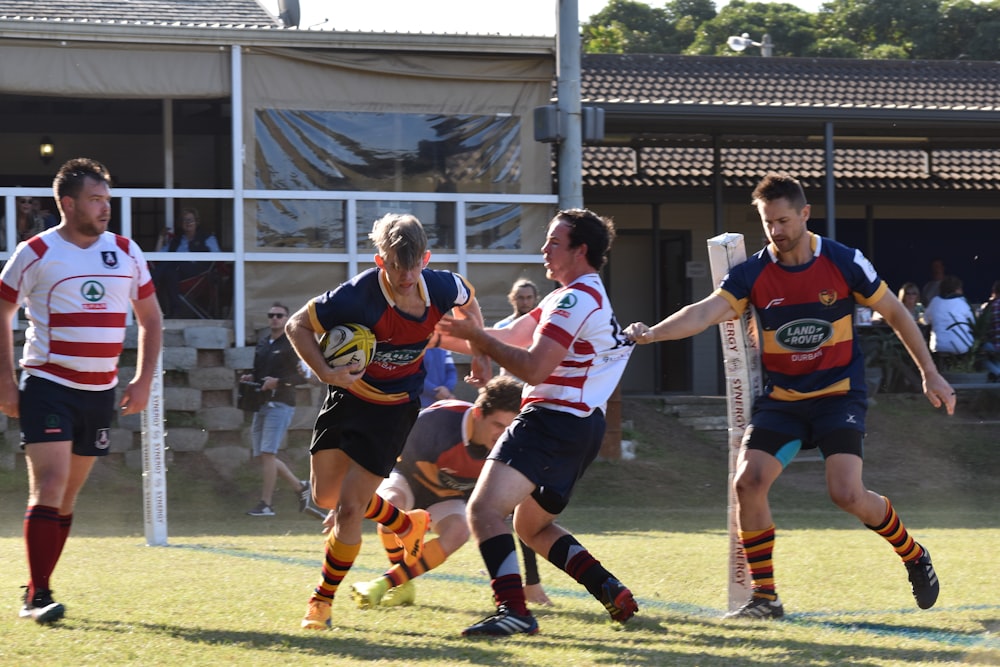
x,y
749,482
847,497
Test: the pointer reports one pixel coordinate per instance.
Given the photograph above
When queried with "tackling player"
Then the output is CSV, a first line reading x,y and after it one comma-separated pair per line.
x,y
571,353
804,289
444,454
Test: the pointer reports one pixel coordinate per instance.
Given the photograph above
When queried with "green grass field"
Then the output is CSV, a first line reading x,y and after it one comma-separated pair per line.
x,y
230,589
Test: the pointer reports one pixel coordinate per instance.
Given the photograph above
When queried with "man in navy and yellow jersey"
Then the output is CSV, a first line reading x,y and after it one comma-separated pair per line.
x,y
804,289
439,466
367,414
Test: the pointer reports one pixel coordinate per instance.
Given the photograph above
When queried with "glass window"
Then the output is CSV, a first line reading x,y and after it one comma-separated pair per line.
x,y
390,152
300,223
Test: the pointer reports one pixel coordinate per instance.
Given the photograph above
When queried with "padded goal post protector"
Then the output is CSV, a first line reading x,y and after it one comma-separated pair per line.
x,y
744,381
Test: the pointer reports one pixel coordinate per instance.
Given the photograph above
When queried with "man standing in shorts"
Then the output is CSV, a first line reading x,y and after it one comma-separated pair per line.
x,y
365,418
276,368
571,353
437,471
77,282
804,289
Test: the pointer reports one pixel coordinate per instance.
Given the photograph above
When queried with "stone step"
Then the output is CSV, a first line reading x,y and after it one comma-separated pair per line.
x,y
704,422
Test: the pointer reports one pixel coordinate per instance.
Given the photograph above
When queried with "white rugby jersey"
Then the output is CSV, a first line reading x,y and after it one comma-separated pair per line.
x,y
579,317
76,300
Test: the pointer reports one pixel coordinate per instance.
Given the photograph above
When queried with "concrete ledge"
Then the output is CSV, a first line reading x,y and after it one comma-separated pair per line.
x,y
218,377
186,439
179,358
208,338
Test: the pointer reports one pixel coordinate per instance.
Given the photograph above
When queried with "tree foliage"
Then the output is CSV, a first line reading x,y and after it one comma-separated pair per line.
x,y
918,29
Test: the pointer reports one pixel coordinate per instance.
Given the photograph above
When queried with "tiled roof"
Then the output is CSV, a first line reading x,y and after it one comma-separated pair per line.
x,y
660,82
854,169
214,13
798,82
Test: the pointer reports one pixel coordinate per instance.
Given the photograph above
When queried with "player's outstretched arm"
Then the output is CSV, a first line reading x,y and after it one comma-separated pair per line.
x,y
688,321
936,388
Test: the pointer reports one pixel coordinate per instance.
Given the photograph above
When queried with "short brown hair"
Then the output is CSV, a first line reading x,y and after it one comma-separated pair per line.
x,y
71,176
501,393
587,227
780,186
403,233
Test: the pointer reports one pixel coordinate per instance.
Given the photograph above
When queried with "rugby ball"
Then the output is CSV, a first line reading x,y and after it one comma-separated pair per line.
x,y
348,343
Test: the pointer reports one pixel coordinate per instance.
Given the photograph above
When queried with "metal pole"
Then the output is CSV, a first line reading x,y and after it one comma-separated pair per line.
x,y
831,213
570,162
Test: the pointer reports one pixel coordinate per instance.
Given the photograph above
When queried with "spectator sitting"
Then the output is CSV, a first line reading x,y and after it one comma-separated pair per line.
x,y
29,221
950,318
168,275
909,296
439,382
49,219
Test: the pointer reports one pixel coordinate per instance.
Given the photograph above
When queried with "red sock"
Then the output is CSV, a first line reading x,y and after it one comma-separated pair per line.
x,y
43,542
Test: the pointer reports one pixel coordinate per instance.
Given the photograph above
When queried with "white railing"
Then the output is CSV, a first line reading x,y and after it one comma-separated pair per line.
x,y
351,255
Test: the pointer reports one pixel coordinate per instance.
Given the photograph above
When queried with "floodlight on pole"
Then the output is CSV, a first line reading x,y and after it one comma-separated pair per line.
x,y
741,42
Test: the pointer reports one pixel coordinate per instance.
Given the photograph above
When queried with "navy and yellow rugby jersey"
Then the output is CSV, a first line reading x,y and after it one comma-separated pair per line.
x,y
396,374
808,343
439,461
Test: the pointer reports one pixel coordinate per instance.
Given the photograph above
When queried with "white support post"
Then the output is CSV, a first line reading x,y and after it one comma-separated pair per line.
x,y
154,463
744,381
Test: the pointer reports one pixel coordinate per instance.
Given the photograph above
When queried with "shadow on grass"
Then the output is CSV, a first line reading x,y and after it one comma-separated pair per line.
x,y
663,640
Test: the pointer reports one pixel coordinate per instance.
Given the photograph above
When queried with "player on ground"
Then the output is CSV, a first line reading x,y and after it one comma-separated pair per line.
x,y
77,282
804,289
437,470
571,353
365,418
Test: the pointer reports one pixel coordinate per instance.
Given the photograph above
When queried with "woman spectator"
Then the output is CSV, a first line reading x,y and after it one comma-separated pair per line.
x,y
950,318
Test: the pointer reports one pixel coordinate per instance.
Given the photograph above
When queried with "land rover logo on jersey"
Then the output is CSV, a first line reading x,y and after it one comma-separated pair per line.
x,y
92,291
804,335
568,301
110,258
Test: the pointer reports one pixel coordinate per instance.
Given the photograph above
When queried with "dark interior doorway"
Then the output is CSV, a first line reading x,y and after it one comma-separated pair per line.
x,y
675,356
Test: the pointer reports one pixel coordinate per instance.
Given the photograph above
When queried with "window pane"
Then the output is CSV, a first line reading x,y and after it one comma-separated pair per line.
x,y
393,152
300,223
437,218
506,227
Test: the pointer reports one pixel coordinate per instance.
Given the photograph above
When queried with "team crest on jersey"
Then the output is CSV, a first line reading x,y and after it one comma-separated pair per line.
x,y
828,297
103,440
567,302
110,258
92,291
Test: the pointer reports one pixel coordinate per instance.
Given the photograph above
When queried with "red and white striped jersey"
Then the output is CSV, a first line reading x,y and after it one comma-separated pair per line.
x,y
76,300
579,317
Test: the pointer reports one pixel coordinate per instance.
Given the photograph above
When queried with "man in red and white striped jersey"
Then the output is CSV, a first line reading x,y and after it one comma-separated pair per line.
x,y
76,282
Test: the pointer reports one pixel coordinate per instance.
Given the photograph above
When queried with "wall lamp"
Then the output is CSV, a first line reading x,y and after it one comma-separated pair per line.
x,y
46,149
